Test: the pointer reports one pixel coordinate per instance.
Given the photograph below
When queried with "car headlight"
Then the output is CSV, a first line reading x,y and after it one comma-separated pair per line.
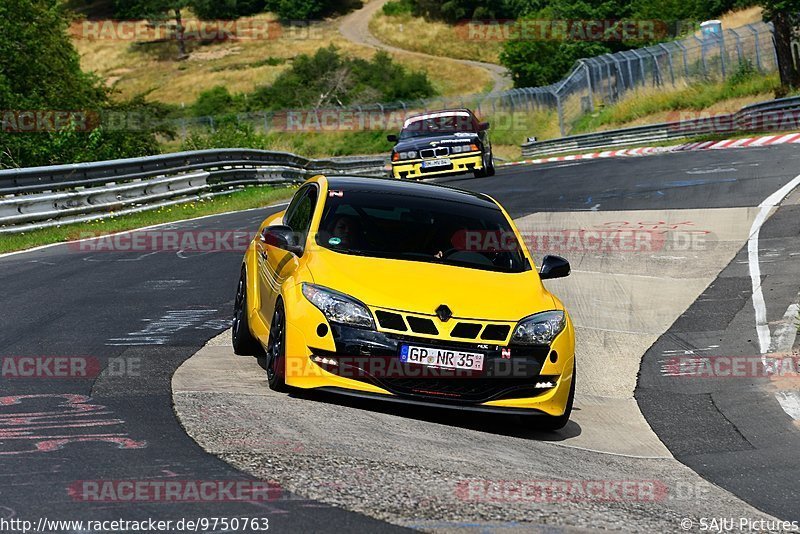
x,y
539,329
463,148
411,154
337,307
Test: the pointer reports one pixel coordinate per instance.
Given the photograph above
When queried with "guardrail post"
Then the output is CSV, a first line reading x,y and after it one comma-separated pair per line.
x,y
739,52
656,67
560,107
685,55
589,85
757,46
669,62
631,81
641,66
702,54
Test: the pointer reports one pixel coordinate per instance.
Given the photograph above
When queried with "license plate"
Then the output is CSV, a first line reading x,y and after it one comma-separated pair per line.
x,y
451,359
435,163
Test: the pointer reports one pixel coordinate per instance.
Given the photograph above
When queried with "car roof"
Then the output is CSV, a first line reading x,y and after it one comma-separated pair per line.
x,y
437,113
401,187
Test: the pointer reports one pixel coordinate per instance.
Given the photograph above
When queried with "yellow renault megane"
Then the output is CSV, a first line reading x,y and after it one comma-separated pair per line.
x,y
409,292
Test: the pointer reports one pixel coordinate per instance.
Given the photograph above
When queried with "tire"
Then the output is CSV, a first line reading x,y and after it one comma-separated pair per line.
x,y
244,344
558,422
488,167
276,351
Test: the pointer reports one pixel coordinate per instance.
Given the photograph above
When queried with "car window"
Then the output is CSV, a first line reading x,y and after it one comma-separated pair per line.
x,y
301,210
439,125
415,228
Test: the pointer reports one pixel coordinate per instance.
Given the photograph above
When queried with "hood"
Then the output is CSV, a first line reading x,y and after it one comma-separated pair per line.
x,y
419,143
421,287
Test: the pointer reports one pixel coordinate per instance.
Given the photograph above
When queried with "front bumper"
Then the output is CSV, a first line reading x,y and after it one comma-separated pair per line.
x,y
459,165
366,363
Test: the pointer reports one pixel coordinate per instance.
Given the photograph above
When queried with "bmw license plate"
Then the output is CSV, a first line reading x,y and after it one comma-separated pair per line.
x,y
433,357
428,164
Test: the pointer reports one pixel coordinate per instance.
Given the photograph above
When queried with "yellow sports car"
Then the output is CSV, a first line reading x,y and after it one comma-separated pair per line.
x,y
416,293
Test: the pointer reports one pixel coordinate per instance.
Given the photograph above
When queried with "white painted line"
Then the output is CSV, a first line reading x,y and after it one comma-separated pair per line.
x,y
781,139
762,140
786,332
760,307
740,142
790,402
721,144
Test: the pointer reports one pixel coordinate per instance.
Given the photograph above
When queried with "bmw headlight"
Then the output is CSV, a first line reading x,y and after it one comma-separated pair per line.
x,y
337,307
539,329
411,154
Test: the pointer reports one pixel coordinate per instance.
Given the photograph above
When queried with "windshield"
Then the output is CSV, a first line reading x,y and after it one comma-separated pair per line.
x,y
415,228
447,124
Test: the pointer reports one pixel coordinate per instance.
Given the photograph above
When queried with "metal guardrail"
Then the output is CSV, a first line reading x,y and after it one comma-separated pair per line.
x,y
773,115
43,197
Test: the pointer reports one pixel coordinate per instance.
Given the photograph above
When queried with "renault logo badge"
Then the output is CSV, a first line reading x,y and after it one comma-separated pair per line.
x,y
443,313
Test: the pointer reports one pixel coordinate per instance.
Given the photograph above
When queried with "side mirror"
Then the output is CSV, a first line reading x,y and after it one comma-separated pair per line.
x,y
484,126
392,138
554,267
282,237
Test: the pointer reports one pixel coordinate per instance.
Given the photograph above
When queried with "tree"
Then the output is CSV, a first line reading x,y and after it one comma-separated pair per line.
x,y
40,75
784,16
38,64
156,11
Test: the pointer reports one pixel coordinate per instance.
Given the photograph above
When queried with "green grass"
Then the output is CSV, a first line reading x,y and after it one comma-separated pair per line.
x,y
696,97
246,198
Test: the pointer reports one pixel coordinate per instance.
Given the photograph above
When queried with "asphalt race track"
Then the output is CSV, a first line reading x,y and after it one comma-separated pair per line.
x,y
139,316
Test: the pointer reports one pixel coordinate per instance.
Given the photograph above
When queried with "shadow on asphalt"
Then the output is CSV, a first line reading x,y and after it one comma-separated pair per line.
x,y
503,425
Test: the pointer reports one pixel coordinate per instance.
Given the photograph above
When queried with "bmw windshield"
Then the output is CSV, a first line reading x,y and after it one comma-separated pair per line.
x,y
442,125
413,228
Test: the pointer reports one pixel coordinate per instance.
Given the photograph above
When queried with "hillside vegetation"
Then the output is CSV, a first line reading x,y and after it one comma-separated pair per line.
x,y
440,28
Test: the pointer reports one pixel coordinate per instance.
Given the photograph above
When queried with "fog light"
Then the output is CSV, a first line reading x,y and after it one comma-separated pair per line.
x,y
544,385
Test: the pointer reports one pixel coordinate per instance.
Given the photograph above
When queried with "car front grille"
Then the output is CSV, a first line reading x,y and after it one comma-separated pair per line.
x,y
456,330
435,152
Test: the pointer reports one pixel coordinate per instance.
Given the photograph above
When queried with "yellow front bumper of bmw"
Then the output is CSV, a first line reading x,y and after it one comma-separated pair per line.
x,y
460,164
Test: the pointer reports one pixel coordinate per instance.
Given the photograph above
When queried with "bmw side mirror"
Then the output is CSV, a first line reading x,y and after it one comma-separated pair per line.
x,y
392,138
484,126
282,237
554,267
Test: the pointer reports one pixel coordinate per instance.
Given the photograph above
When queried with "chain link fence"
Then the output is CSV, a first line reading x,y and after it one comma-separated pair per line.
x,y
593,81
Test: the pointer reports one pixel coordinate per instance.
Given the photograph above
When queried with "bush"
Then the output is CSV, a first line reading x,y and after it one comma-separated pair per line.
x,y
216,102
398,7
227,9
330,79
228,135
309,9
